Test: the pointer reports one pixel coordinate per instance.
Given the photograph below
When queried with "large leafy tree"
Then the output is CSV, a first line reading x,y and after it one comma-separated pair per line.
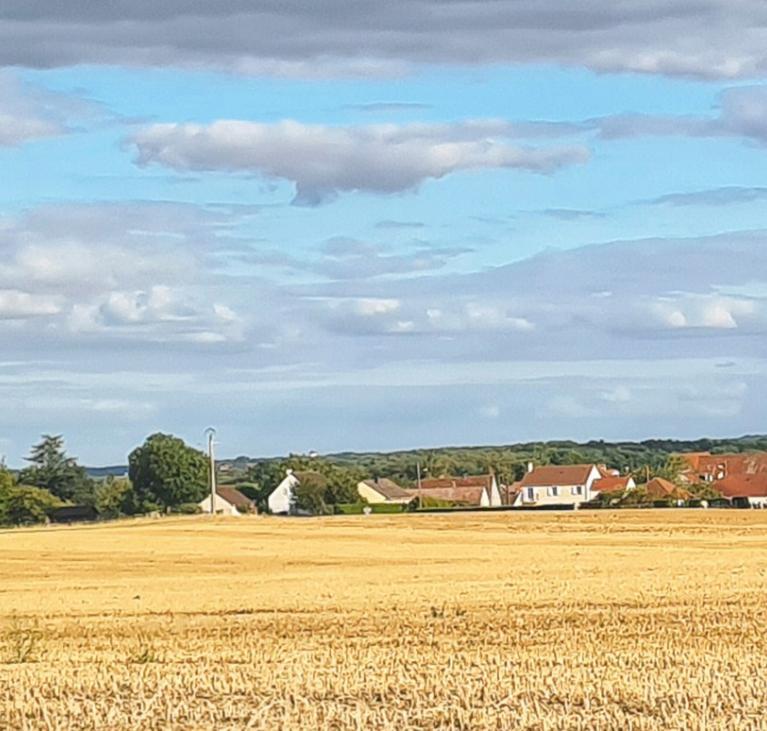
x,y
166,472
53,470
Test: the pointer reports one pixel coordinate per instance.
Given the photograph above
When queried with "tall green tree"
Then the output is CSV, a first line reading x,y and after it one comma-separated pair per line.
x,y
166,472
114,498
53,470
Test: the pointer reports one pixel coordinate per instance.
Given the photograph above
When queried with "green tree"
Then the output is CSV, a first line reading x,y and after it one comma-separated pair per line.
x,y
115,497
23,505
53,470
310,493
6,478
165,472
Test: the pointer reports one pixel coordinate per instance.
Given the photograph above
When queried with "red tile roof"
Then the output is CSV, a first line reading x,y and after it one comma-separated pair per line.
x,y
235,497
661,488
439,483
611,483
572,474
466,495
743,486
712,465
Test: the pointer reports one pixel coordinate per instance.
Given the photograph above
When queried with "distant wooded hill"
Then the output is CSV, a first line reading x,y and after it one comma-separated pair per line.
x,y
508,461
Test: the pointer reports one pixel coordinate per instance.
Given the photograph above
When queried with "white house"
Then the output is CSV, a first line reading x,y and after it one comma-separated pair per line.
x,y
558,485
281,499
229,501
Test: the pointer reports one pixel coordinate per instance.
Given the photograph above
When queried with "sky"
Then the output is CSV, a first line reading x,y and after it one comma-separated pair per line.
x,y
371,226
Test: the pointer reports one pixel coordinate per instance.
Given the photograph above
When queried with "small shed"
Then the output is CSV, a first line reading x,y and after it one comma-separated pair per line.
x,y
74,514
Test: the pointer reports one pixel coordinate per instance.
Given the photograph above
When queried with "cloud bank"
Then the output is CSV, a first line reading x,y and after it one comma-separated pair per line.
x,y
695,38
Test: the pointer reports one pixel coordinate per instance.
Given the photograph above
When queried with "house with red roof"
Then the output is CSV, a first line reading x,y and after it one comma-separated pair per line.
x,y
613,483
707,467
558,485
481,491
661,489
744,489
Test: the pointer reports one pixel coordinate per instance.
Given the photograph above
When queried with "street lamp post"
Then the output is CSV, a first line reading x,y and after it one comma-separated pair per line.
x,y
211,433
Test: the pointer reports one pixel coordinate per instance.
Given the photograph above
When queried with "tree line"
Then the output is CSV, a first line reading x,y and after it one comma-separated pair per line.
x,y
166,475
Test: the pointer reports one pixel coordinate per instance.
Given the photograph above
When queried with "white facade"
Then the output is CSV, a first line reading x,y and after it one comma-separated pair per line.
x,y
562,494
494,498
221,506
280,501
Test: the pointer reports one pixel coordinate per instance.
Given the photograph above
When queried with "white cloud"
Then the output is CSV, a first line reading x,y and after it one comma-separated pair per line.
x,y
125,271
324,161
15,304
708,311
372,307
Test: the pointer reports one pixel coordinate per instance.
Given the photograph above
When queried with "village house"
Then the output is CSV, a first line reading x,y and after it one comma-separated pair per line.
x,y
383,490
558,485
229,501
661,489
707,467
480,491
744,490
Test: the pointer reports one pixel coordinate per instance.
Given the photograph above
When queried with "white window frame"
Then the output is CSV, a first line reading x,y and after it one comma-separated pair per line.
x,y
552,491
530,496
576,490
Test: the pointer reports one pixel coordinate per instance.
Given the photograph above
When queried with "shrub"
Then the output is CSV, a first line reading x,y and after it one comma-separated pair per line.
x,y
24,505
187,509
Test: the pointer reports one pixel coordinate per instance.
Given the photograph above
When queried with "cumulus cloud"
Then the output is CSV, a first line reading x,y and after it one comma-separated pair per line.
x,y
719,38
106,271
324,161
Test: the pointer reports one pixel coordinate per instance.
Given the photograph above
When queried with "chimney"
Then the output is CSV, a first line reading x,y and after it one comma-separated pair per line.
x,y
530,467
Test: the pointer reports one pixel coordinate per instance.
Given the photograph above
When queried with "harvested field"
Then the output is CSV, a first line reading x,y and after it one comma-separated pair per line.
x,y
605,620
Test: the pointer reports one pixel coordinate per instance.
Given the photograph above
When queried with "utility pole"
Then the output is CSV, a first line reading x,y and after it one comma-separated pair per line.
x,y
418,473
211,432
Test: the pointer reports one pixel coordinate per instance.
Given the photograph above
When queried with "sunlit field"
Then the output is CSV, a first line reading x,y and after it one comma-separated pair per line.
x,y
605,620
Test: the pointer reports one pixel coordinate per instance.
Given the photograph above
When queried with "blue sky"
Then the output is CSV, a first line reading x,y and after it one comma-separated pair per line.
x,y
418,224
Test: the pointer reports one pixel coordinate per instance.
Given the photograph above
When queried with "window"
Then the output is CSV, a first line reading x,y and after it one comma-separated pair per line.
x,y
577,490
552,491
531,493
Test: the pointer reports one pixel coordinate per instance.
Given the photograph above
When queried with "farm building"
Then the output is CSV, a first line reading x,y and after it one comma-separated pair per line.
x,y
481,491
746,490
229,501
383,490
558,485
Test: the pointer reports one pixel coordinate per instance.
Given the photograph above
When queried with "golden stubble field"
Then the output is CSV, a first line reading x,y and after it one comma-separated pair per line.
x,y
612,620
